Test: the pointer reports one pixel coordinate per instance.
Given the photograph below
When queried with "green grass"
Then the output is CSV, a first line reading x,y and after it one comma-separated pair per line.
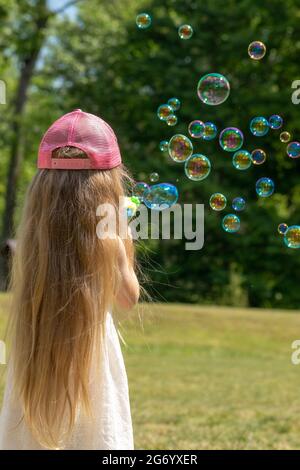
x,y
211,378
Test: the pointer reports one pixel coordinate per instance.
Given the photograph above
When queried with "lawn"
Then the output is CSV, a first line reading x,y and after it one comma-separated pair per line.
x,y
211,378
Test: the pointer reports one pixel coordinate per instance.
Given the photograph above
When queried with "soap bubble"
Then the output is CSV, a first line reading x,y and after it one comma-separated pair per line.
x,y
259,126
164,111
242,160
258,156
180,148
238,204
163,145
139,189
172,120
275,121
196,129
197,167
210,131
217,201
231,223
213,89
231,139
285,137
257,50
174,103
265,187
292,237
154,177
185,31
293,150
282,228
160,196
143,21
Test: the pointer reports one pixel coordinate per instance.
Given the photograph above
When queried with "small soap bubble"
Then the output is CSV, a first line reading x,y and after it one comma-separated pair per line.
x,y
275,121
293,150
257,50
143,21
213,89
163,146
185,31
217,201
180,148
265,187
231,139
196,129
285,137
292,237
242,160
210,131
259,126
154,177
164,111
172,120
139,189
231,223
174,103
239,204
258,156
197,167
282,228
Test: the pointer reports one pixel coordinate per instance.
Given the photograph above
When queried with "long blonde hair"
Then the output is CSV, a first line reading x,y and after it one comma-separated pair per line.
x,y
63,280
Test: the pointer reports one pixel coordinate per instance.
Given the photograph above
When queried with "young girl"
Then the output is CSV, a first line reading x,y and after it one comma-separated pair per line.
x,y
66,385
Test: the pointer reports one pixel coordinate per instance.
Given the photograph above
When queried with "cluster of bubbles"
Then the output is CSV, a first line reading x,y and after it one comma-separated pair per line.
x,y
166,112
202,130
144,21
218,202
260,126
213,89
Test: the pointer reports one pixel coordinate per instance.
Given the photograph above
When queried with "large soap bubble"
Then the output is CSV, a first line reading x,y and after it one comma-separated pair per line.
x,y
180,148
213,89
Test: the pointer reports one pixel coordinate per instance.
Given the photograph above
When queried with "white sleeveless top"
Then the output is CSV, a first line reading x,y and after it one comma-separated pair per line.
x,y
111,428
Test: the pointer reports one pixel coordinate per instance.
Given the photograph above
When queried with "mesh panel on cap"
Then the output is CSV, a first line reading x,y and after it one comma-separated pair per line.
x,y
94,134
57,134
85,131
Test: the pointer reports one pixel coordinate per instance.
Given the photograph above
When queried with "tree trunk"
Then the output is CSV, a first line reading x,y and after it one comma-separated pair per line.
x,y
16,151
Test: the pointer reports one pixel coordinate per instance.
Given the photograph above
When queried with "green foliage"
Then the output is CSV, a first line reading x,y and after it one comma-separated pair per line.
x,y
100,62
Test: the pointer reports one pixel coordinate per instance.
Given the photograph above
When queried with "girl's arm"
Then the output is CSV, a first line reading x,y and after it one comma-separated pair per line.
x,y
128,290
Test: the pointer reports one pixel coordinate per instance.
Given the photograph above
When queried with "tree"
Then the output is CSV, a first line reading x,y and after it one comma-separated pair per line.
x,y
27,22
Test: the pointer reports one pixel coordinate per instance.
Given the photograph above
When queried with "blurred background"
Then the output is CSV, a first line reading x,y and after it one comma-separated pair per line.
x,y
201,377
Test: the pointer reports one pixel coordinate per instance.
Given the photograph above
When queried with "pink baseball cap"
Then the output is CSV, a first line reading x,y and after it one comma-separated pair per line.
x,y
85,131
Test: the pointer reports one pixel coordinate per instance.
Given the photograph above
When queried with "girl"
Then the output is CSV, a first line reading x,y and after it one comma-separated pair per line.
x,y
66,385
